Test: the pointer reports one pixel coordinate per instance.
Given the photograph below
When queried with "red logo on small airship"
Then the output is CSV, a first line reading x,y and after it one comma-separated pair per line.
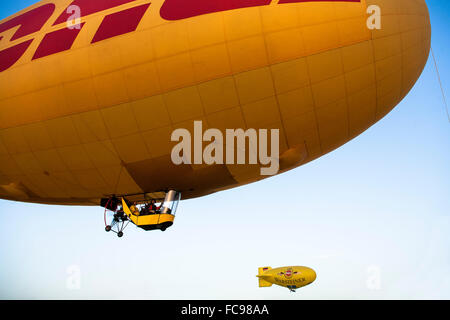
x,y
288,273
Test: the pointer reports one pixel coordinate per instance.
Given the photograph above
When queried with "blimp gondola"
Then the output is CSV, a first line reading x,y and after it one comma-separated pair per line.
x,y
146,215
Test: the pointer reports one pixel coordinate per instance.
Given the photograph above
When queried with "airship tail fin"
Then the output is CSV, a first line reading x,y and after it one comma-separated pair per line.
x,y
262,282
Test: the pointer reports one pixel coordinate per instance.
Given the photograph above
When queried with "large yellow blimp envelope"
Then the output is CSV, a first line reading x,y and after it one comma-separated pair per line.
x,y
91,91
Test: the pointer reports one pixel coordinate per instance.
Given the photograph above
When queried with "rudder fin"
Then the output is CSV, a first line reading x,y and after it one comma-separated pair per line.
x,y
262,282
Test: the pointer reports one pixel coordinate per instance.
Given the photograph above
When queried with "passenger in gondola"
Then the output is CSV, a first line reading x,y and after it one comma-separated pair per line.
x,y
144,210
134,209
152,208
158,208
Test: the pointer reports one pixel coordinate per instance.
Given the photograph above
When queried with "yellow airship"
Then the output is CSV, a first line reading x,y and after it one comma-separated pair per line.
x,y
290,277
91,92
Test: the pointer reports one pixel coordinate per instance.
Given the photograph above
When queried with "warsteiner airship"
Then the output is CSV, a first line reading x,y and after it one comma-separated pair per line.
x,y
289,277
91,92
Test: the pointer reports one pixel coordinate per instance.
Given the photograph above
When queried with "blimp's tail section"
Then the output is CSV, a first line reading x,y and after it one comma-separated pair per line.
x,y
262,282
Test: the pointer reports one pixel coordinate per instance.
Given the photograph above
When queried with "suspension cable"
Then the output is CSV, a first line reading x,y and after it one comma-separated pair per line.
x,y
440,83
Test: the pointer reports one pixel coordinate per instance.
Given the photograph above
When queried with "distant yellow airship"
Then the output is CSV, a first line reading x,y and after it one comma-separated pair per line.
x,y
290,277
91,91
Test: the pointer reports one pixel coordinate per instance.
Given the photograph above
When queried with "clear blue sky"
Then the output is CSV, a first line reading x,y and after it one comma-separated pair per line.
x,y
379,205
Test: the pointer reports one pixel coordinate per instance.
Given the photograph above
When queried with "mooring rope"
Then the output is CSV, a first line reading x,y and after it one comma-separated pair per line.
x,y
440,83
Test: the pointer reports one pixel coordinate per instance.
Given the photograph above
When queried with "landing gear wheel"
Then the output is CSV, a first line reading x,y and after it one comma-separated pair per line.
x,y
163,228
115,220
